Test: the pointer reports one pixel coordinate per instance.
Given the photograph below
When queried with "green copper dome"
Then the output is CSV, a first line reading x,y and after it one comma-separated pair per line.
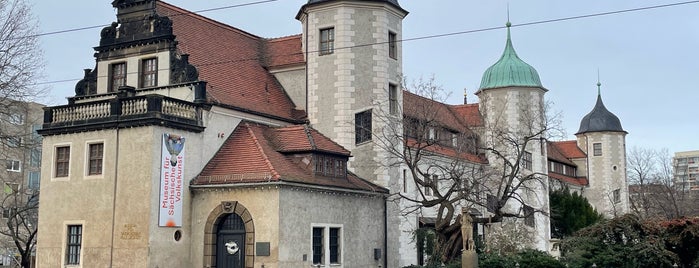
x,y
510,70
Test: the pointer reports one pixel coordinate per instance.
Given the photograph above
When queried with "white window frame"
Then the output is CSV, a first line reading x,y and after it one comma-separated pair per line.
x,y
16,118
53,161
14,168
326,244
87,159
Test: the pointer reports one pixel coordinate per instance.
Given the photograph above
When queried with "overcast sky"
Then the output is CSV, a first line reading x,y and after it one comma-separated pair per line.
x,y
648,60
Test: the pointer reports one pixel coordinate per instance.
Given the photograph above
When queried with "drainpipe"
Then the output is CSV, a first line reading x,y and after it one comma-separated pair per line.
x,y
385,232
306,54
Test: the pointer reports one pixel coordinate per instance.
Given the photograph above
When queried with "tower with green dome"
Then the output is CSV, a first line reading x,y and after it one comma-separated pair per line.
x,y
512,104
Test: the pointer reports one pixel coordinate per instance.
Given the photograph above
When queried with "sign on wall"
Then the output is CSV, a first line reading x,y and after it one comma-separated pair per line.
x,y
172,171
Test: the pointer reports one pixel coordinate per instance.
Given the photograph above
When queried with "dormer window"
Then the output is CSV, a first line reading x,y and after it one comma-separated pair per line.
x,y
330,166
149,72
117,76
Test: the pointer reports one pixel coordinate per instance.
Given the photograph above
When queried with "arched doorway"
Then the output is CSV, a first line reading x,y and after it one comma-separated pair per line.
x,y
221,219
230,242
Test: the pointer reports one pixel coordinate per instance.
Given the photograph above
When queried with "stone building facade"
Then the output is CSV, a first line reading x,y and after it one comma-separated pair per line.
x,y
196,144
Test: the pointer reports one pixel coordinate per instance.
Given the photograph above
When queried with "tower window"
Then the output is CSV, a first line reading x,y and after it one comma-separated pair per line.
x,y
392,98
392,48
597,149
62,161
149,72
327,41
95,159
117,76
616,195
362,127
527,160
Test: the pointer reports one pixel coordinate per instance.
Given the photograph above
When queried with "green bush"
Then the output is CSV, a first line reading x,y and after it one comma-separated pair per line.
x,y
527,258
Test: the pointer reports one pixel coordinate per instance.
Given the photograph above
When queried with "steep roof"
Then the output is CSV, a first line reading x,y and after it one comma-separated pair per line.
x,y
470,114
510,70
556,155
233,62
569,149
579,181
600,119
256,153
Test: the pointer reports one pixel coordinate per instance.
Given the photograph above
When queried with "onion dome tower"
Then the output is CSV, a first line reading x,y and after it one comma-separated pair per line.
x,y
512,101
604,140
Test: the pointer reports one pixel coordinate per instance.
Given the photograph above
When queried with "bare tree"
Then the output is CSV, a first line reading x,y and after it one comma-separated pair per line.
x,y
653,191
20,67
452,167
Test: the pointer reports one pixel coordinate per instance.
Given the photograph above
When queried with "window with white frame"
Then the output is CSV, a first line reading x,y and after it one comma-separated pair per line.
x,y
149,72
13,165
326,244
527,160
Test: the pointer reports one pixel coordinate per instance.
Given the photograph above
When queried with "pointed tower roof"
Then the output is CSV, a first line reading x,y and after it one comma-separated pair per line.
x,y
510,70
600,119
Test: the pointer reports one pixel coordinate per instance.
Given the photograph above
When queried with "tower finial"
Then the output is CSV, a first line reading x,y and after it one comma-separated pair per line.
x,y
599,90
508,24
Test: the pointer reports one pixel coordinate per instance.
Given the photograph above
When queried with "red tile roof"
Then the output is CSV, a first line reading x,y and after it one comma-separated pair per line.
x,y
284,51
556,155
569,149
579,181
448,152
251,155
415,106
470,114
233,62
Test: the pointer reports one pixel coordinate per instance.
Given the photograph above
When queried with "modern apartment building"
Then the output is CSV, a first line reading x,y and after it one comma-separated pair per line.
x,y
686,170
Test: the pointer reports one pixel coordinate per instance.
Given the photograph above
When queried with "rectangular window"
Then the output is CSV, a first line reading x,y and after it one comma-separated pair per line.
x,y
35,157
392,99
597,149
492,203
149,72
327,245
362,127
62,161
13,142
95,159
9,212
527,160
617,195
117,76
34,180
14,165
392,48
318,245
73,245
327,41
334,245
405,181
17,118
529,219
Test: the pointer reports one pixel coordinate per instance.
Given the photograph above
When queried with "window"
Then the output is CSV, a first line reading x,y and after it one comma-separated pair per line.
x,y
616,195
454,140
392,49
34,180
327,41
327,245
491,203
62,161
16,118
73,245
35,157
527,160
14,165
118,76
95,159
405,181
9,213
149,72
392,99
14,142
597,149
432,183
529,219
362,127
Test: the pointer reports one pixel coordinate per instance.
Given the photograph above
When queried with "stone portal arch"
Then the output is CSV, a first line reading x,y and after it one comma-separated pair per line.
x,y
221,212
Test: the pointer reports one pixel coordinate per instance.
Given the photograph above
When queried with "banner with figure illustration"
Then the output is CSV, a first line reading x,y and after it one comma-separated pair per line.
x,y
171,184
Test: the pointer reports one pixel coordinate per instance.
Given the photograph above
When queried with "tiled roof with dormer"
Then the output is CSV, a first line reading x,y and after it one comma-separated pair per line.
x,y
233,62
251,155
569,149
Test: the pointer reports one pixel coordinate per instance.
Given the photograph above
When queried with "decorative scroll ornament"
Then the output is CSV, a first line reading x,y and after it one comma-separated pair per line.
x,y
232,247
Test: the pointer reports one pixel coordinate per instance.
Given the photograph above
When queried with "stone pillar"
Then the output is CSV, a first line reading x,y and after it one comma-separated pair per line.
x,y
469,258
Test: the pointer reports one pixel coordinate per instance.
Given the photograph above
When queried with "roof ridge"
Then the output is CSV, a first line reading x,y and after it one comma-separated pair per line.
x,y
273,171
182,11
283,38
310,138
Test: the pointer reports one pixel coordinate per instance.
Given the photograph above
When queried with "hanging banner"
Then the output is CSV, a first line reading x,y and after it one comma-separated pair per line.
x,y
172,171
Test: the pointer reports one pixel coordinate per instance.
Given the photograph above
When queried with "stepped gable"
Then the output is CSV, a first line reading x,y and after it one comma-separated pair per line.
x,y
256,153
232,62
